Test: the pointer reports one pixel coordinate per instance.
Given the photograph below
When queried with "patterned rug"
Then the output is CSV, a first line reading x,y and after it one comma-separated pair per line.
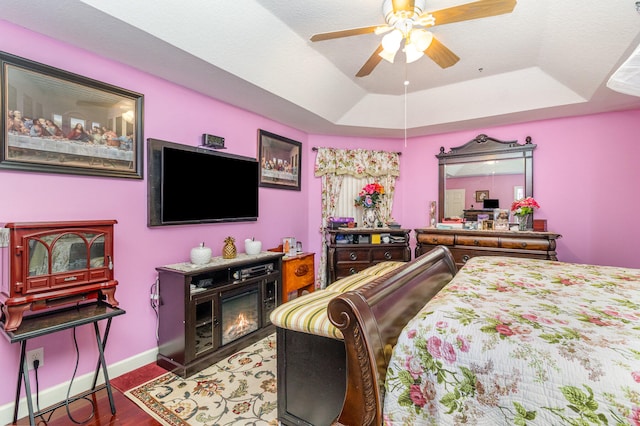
x,y
240,389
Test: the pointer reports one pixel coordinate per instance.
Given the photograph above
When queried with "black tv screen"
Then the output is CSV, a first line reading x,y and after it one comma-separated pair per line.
x,y
190,185
491,203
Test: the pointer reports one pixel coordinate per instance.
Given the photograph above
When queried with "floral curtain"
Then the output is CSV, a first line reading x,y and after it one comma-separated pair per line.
x,y
333,164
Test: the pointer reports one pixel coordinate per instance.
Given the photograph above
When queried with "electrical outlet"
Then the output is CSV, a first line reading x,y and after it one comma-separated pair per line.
x,y
33,355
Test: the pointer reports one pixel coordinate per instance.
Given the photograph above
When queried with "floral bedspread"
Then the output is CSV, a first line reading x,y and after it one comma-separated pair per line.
x,y
514,341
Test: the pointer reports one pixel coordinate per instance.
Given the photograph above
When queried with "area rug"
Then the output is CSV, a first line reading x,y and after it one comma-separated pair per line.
x,y
240,389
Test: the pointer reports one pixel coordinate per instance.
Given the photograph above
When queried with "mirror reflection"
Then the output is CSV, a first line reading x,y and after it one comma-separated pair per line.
x,y
482,185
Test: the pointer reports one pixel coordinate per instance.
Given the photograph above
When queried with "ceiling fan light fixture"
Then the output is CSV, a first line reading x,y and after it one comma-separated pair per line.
x,y
387,55
421,39
391,44
412,52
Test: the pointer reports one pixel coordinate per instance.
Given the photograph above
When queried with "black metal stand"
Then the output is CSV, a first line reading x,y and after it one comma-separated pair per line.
x,y
51,322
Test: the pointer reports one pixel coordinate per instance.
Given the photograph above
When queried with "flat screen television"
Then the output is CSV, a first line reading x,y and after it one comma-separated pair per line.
x,y
491,203
191,185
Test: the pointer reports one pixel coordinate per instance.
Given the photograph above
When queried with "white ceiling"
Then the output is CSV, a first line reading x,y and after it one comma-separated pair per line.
x,y
547,59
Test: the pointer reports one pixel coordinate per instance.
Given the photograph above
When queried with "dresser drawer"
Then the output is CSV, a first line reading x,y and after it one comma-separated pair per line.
x,y
388,253
353,255
298,272
344,269
477,241
461,255
526,243
435,239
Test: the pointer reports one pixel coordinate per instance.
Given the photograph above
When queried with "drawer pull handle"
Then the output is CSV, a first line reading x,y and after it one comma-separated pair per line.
x,y
301,270
465,258
352,271
476,242
523,244
434,240
353,256
387,255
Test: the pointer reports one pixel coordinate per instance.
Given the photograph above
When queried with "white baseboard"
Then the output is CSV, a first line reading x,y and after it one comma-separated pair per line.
x,y
58,393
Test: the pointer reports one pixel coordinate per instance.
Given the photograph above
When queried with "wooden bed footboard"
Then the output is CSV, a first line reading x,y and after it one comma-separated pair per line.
x,y
371,319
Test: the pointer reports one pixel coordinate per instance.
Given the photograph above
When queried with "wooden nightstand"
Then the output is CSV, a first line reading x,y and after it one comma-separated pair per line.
x,y
298,274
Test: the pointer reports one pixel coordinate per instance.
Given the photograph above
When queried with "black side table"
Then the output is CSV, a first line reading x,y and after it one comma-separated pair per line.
x,y
51,322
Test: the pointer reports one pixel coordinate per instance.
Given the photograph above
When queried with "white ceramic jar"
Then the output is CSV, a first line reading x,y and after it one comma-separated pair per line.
x,y
252,246
200,255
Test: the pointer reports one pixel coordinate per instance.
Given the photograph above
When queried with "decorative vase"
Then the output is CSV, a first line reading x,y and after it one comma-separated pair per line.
x,y
523,222
229,250
370,217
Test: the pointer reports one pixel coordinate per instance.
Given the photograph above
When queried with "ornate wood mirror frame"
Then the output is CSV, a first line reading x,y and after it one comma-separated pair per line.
x,y
482,153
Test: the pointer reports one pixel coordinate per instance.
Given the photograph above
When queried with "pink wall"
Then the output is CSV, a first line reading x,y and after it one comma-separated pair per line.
x,y
580,166
171,113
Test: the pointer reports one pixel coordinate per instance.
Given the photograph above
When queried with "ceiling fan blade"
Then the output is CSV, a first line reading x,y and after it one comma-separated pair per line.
x,y
371,63
441,54
475,10
343,33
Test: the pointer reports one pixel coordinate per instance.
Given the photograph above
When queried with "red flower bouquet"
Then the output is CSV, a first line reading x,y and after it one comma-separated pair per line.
x,y
370,196
524,206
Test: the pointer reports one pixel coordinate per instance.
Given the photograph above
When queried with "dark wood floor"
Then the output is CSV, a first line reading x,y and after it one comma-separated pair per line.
x,y
127,412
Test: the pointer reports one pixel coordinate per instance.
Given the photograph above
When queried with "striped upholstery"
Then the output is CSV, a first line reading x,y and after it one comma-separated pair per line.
x,y
382,268
308,313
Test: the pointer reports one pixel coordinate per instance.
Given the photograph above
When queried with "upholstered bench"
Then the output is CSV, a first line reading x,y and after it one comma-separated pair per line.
x,y
308,313
311,352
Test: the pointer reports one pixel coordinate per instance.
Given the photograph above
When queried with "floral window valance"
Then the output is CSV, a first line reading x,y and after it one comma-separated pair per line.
x,y
356,162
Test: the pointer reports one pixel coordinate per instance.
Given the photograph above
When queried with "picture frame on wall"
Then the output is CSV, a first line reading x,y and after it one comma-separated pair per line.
x,y
280,161
58,122
481,195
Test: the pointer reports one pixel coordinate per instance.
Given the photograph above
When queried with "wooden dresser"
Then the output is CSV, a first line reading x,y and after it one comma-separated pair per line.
x,y
465,244
351,250
298,274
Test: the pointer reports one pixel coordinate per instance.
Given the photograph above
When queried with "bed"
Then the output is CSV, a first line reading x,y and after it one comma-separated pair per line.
x,y
521,341
502,341
513,341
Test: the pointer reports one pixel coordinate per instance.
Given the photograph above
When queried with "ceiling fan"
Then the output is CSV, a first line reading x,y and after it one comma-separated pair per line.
x,y
406,21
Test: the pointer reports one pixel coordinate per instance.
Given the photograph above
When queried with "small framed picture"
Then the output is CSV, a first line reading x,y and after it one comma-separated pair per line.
x,y
487,225
481,195
501,219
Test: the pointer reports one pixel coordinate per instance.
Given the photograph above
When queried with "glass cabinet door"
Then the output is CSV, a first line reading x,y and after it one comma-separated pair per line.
x,y
204,324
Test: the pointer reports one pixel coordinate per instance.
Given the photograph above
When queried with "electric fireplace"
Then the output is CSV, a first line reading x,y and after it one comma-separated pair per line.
x,y
239,313
207,312
55,264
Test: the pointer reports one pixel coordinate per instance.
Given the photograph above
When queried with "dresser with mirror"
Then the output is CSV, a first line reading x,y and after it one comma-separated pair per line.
x,y
476,178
